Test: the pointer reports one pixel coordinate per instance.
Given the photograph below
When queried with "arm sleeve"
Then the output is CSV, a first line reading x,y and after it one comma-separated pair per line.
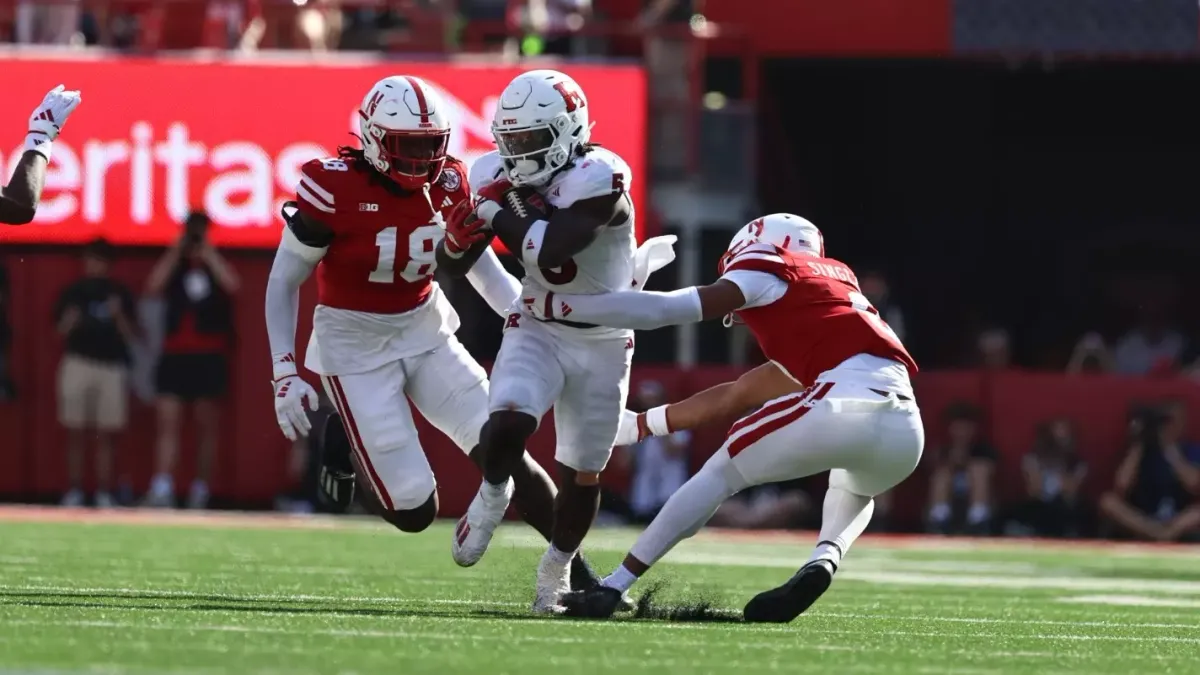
x,y
759,288
497,287
294,263
640,310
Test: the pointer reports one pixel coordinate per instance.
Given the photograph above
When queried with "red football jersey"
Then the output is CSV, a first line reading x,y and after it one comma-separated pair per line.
x,y
381,259
822,319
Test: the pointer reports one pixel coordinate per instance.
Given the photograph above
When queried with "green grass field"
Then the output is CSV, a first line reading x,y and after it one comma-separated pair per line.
x,y
180,594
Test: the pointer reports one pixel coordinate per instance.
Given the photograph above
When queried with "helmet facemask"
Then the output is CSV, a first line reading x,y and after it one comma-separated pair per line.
x,y
412,159
532,154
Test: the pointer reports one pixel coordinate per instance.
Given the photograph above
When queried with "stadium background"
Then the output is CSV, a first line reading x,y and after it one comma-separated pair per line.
x,y
1005,163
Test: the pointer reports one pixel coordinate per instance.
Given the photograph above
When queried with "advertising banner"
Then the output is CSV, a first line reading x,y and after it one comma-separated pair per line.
x,y
155,137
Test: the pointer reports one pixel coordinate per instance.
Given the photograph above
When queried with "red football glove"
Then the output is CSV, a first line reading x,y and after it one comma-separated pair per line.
x,y
464,229
495,190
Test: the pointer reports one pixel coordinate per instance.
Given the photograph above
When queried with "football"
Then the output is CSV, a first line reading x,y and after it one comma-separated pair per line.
x,y
527,203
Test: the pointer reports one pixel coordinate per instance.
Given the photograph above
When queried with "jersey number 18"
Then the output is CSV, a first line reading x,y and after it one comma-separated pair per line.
x,y
420,262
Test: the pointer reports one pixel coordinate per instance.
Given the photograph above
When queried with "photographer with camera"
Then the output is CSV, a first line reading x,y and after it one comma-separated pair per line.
x,y
1158,482
197,285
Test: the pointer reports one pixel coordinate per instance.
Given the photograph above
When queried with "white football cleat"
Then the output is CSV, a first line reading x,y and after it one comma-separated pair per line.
x,y
474,530
553,582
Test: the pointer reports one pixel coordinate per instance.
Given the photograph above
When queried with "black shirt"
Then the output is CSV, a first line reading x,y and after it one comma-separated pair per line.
x,y
96,335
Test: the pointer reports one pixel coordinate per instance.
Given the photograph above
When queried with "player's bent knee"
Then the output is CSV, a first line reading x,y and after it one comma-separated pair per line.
x,y
415,519
722,465
508,429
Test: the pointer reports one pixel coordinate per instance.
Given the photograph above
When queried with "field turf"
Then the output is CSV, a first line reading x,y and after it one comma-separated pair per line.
x,y
153,593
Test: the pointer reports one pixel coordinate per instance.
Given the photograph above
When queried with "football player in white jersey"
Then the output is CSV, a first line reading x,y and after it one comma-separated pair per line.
x,y
584,243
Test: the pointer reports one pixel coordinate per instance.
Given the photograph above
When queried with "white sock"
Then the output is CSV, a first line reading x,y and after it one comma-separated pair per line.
x,y
978,514
492,493
621,579
843,518
685,512
559,558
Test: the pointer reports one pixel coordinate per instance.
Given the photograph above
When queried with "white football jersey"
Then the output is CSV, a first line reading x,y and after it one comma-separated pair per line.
x,y
607,264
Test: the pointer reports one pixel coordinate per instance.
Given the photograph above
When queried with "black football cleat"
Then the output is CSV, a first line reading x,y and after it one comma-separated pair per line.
x,y
336,478
584,578
600,602
781,605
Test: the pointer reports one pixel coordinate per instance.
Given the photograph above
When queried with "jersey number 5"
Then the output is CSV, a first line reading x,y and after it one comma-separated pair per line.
x,y
420,261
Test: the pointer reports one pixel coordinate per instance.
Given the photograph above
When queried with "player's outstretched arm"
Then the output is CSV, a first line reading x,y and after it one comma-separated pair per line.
x,y
722,404
640,310
19,199
493,283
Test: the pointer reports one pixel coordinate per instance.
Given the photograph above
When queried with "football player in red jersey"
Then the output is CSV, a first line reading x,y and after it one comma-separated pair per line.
x,y
836,396
370,222
19,199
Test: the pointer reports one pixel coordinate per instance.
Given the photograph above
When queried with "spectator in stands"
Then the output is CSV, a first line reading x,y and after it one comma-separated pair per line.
x,y
7,389
1053,477
550,27
1153,347
95,315
875,287
1091,355
198,285
1154,494
46,22
774,506
315,25
962,474
995,349
658,466
665,25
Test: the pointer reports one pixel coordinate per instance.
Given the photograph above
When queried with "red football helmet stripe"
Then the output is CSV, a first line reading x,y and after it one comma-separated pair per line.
x,y
422,105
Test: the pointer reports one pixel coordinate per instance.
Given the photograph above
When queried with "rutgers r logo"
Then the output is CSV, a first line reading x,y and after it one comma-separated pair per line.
x,y
368,207
573,98
514,321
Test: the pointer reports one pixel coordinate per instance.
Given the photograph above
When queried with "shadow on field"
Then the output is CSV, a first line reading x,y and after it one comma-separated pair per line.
x,y
188,602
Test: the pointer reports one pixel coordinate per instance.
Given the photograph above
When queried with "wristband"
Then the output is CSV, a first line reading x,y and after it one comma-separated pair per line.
x,y
282,365
487,210
449,252
35,141
656,421
533,243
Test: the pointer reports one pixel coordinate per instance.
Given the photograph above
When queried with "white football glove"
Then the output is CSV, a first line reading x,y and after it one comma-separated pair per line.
x,y
629,431
291,392
48,119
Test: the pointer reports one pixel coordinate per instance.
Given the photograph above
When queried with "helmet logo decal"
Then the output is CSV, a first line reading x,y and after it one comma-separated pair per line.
x,y
374,103
573,98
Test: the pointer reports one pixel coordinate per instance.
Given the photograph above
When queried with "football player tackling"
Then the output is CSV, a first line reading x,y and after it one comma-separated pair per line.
x,y
835,396
560,203
370,223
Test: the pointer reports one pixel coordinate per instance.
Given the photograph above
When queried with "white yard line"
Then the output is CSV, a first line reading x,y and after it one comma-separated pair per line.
x,y
1023,583
1135,601
773,645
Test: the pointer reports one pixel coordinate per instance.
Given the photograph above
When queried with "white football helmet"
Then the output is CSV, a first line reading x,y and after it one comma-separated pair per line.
x,y
541,121
405,130
787,231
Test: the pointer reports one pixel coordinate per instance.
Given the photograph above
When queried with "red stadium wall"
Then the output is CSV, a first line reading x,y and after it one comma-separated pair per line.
x,y
252,457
